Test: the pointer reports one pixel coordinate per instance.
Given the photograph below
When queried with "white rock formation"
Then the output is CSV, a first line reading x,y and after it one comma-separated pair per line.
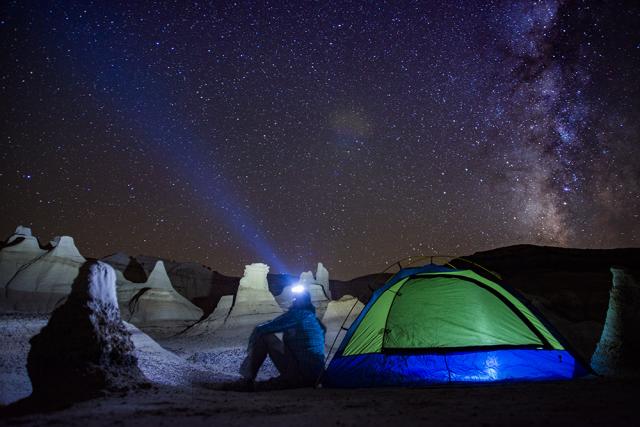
x,y
21,232
306,278
64,247
322,278
220,313
155,301
253,296
44,281
618,351
215,320
21,248
254,304
346,310
316,289
190,279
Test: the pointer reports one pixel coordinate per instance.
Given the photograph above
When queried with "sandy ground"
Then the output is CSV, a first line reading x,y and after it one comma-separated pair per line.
x,y
571,403
183,394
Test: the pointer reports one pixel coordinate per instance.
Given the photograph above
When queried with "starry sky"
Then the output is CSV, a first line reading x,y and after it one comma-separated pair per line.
x,y
352,133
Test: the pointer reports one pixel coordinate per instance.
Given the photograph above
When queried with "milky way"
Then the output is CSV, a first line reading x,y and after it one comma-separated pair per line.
x,y
296,132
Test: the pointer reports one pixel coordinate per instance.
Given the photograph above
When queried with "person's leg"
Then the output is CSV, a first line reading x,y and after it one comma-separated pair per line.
x,y
281,357
256,354
286,364
271,345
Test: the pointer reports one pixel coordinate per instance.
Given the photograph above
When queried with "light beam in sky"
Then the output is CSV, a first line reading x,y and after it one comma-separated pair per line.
x,y
151,113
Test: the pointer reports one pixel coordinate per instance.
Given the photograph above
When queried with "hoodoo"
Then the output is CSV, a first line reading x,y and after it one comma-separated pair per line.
x,y
85,349
254,304
618,351
154,301
21,248
45,280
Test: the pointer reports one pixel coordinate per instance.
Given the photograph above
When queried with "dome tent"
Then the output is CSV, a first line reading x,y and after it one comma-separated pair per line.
x,y
435,325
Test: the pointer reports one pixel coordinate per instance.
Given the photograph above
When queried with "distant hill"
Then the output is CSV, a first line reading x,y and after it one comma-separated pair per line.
x,y
575,281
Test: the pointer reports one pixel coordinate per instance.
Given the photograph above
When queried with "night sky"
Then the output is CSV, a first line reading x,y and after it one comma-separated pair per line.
x,y
353,134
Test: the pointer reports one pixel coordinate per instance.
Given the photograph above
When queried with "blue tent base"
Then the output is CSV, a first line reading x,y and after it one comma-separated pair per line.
x,y
415,370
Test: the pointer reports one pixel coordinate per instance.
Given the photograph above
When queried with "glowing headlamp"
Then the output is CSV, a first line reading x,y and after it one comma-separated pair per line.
x,y
298,289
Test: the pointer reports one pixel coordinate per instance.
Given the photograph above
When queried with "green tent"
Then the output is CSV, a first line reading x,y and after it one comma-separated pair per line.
x,y
435,324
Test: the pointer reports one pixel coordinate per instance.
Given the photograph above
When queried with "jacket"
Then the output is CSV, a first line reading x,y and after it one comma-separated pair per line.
x,y
303,335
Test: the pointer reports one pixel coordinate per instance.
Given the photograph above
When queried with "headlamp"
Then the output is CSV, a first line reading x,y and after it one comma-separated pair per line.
x,y
298,289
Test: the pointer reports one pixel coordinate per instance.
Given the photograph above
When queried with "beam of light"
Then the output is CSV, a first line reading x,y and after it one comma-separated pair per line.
x,y
150,112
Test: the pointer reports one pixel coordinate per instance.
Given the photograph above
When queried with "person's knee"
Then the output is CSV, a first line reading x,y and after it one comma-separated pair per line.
x,y
269,338
264,338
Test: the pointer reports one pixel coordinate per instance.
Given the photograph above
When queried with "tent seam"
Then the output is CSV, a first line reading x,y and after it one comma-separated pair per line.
x,y
386,320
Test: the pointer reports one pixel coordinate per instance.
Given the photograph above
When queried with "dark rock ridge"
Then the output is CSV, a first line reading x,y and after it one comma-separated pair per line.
x,y
85,349
532,257
575,282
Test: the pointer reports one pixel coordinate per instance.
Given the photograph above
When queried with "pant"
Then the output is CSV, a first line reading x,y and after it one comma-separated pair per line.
x,y
271,345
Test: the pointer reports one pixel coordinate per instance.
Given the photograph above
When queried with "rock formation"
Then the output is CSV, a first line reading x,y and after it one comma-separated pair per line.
x,y
214,321
319,285
253,292
130,268
85,349
306,278
45,280
322,279
618,351
190,279
316,290
253,305
154,301
21,248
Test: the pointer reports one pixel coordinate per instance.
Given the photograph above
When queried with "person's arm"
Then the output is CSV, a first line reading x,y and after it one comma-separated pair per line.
x,y
279,324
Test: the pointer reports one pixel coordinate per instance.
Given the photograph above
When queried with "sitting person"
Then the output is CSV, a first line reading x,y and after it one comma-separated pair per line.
x,y
299,356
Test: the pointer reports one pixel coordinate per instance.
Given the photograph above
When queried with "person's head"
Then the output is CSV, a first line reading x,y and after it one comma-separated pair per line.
x,y
302,300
